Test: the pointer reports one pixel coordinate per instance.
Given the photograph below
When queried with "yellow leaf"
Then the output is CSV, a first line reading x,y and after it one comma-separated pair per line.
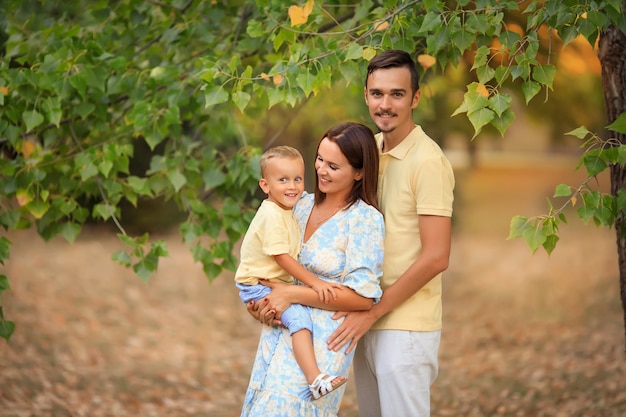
x,y
265,76
482,90
4,91
308,7
23,197
573,200
369,53
27,148
278,79
299,15
378,26
426,61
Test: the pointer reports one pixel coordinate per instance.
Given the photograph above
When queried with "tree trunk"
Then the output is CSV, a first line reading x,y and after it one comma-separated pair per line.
x,y
612,54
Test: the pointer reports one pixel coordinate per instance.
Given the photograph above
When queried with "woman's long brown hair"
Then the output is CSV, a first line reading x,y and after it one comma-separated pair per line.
x,y
358,145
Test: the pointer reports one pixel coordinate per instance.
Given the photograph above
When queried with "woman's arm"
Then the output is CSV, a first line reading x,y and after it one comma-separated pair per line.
x,y
283,295
268,310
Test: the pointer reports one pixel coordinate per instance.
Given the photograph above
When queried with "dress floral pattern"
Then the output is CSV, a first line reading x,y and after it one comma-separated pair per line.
x,y
348,248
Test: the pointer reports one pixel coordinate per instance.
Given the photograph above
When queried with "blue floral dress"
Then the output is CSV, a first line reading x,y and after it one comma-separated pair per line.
x,y
348,248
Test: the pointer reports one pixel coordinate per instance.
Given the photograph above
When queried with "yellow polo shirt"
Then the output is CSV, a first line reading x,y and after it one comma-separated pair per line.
x,y
273,231
415,178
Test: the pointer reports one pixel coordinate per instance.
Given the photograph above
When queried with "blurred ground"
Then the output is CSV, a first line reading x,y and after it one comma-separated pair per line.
x,y
524,334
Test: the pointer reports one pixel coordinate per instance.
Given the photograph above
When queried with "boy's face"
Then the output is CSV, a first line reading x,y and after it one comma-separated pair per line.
x,y
283,181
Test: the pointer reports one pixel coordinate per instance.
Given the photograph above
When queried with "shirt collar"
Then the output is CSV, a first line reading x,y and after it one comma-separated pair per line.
x,y
403,148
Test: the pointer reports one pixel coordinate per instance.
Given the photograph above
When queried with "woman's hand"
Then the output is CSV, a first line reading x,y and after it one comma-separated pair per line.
x,y
263,313
279,299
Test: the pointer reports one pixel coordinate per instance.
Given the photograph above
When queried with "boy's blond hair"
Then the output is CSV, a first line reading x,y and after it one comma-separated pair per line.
x,y
281,151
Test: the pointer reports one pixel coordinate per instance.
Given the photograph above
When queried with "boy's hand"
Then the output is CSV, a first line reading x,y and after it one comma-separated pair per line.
x,y
326,291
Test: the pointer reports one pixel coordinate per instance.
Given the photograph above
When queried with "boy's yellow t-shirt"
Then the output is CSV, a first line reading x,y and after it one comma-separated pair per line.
x,y
273,231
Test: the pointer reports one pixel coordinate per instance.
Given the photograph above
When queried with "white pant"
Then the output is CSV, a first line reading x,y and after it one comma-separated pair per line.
x,y
393,372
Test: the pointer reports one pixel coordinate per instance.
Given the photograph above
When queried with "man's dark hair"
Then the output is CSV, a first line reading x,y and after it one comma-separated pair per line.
x,y
395,59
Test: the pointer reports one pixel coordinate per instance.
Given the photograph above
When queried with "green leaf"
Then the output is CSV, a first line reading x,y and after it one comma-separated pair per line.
x,y
355,51
500,103
214,94
562,190
85,166
593,163
70,231
211,270
53,110
621,154
502,123
431,22
32,119
480,58
4,283
255,29
534,237
550,243
122,258
241,100
530,90
85,109
144,269
177,179
580,132
37,208
306,81
517,227
213,178
6,329
103,211
585,213
105,168
485,74
5,249
544,74
139,185
619,125
461,109
479,119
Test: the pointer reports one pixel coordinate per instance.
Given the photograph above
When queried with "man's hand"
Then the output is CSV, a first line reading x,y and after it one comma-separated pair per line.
x,y
354,326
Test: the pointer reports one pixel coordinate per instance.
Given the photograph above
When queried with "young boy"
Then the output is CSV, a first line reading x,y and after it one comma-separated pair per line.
x,y
269,251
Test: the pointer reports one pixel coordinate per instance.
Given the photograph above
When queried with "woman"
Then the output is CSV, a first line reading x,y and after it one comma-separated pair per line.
x,y
343,233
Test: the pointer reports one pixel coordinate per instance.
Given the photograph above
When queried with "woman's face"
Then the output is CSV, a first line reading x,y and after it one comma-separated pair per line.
x,y
334,172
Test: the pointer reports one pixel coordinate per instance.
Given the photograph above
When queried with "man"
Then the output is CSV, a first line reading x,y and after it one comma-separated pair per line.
x,y
398,339
396,359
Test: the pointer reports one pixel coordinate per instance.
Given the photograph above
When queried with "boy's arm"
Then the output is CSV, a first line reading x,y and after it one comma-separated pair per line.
x,y
296,270
325,290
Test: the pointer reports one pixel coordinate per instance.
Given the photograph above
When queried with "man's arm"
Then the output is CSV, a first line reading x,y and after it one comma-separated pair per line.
x,y
435,232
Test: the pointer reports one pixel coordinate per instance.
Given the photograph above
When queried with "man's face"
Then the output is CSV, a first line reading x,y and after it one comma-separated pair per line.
x,y
389,99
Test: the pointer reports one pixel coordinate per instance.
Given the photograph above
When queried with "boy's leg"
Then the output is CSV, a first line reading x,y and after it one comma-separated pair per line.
x,y
305,355
298,320
254,293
